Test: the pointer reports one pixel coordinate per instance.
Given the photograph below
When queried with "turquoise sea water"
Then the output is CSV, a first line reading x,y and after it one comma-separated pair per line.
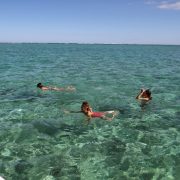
x,y
39,141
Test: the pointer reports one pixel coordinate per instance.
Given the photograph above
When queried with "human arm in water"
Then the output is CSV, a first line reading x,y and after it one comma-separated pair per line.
x,y
67,111
144,95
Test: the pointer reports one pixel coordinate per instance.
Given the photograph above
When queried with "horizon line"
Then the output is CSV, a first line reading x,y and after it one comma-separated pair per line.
x,y
90,43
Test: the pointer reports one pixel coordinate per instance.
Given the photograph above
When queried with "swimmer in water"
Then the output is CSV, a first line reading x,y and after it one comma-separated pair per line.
x,y
48,88
144,96
87,110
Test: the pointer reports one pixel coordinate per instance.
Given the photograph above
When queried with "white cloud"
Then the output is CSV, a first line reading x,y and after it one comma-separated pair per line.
x,y
167,5
164,4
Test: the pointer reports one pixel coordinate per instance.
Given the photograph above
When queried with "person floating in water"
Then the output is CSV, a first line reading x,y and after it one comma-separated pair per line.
x,y
144,96
46,88
87,110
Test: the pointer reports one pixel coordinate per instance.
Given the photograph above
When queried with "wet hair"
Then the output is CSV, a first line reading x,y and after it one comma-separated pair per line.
x,y
39,85
145,93
85,107
148,92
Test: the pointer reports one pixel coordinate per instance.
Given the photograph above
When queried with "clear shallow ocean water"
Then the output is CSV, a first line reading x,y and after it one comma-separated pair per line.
x,y
39,141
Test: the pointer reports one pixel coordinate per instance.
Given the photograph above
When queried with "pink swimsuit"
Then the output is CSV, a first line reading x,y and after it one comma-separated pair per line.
x,y
97,114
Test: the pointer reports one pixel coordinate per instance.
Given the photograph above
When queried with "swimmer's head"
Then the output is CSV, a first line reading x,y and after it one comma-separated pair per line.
x,y
148,94
145,93
85,107
39,85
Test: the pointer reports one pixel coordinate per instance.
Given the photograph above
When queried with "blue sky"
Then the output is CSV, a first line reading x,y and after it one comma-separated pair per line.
x,y
90,21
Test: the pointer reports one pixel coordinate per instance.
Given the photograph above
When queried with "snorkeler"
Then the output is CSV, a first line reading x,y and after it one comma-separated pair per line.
x,y
87,110
144,96
46,88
